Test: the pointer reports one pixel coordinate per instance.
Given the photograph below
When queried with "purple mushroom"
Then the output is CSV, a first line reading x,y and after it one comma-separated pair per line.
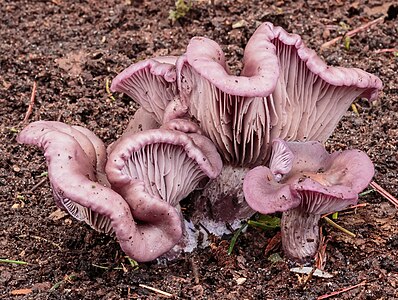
x,y
152,84
284,91
170,163
146,186
305,181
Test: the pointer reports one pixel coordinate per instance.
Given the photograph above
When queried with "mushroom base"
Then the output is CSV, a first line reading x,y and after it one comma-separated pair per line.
x,y
300,234
222,200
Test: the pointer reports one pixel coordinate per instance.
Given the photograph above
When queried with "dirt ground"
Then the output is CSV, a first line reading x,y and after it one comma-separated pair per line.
x,y
71,48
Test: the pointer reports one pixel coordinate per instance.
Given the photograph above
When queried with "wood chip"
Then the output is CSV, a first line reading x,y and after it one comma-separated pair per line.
x,y
21,292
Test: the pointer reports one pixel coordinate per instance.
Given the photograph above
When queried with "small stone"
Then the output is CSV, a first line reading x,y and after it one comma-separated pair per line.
x,y
241,280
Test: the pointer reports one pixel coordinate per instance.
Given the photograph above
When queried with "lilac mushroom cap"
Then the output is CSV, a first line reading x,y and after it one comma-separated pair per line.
x,y
165,164
284,91
169,163
151,83
305,181
65,145
71,164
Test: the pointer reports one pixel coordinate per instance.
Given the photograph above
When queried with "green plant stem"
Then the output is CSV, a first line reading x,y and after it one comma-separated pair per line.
x,y
10,261
339,227
235,238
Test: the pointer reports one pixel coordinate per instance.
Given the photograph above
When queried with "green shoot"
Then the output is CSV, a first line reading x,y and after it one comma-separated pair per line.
x,y
344,26
10,261
265,222
181,9
347,41
235,238
274,258
366,192
20,197
335,215
133,263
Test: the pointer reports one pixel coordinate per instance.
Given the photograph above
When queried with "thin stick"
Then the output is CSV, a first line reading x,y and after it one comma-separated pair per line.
x,y
353,32
155,290
31,103
386,50
307,278
38,184
41,239
348,208
195,271
384,193
341,291
339,227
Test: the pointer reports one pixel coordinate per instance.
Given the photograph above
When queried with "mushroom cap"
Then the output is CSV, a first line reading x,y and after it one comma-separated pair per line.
x,y
91,154
170,163
151,83
284,91
72,176
317,182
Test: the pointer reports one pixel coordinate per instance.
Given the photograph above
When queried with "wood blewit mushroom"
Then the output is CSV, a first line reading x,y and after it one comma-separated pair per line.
x,y
284,91
142,168
305,181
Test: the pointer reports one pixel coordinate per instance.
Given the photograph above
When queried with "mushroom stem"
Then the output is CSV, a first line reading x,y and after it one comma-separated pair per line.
x,y
222,200
300,234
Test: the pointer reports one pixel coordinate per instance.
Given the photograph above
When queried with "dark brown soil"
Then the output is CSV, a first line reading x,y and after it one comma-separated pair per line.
x,y
70,48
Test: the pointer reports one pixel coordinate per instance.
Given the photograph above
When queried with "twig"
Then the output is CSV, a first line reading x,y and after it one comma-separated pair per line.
x,y
384,193
307,278
31,103
386,50
341,291
348,208
60,116
41,239
339,227
195,271
353,32
38,184
155,290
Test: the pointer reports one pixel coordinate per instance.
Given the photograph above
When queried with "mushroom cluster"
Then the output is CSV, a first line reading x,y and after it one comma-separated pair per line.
x,y
199,126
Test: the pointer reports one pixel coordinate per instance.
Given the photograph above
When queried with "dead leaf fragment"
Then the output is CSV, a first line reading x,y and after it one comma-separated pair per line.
x,y
73,62
57,215
239,24
309,270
